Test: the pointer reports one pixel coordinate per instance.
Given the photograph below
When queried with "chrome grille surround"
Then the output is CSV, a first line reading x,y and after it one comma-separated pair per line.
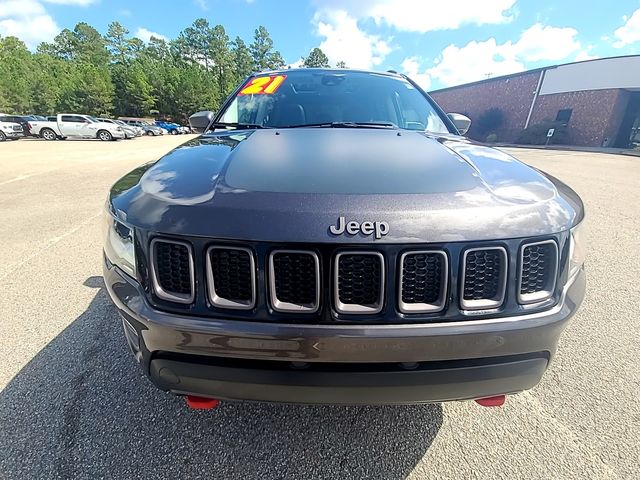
x,y
354,308
219,301
437,306
280,306
157,287
485,303
550,284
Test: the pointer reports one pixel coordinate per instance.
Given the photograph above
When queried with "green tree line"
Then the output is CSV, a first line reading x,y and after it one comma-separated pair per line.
x,y
119,74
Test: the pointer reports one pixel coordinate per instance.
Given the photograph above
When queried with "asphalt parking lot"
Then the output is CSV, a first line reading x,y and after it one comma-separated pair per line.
x,y
74,405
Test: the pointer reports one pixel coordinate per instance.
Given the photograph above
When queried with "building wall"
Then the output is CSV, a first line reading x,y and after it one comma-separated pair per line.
x,y
596,114
512,95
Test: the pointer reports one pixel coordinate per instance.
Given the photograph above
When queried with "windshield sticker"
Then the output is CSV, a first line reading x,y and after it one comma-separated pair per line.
x,y
262,85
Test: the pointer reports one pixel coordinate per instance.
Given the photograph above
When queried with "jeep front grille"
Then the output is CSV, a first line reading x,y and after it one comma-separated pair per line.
x,y
172,270
423,281
538,271
231,277
359,282
484,277
294,281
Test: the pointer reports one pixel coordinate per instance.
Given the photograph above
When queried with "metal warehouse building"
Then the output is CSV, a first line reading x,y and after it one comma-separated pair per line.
x,y
597,100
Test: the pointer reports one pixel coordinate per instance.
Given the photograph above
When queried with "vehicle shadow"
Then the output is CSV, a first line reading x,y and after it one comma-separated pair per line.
x,y
81,408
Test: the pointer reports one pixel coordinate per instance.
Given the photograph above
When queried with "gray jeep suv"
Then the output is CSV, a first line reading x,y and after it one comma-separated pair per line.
x,y
332,238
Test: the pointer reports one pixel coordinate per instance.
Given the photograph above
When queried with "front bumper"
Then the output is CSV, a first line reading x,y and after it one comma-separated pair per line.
x,y
342,364
13,135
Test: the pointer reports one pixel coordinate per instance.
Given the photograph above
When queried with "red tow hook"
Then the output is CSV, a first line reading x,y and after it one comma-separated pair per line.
x,y
496,401
201,403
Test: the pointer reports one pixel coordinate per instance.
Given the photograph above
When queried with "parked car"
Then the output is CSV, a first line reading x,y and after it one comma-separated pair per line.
x,y
147,128
10,130
23,120
336,240
130,131
172,128
69,125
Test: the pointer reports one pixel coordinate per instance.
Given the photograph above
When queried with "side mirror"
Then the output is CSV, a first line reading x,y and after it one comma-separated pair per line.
x,y
199,121
461,122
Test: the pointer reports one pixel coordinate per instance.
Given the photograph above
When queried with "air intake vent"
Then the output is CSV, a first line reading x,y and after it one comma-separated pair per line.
x,y
484,278
423,282
359,282
172,270
230,277
538,271
294,281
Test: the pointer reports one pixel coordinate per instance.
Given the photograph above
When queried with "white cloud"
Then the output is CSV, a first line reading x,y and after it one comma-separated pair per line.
x,y
145,35
202,4
125,12
474,61
480,60
80,3
425,16
540,42
585,54
345,41
28,20
628,33
411,67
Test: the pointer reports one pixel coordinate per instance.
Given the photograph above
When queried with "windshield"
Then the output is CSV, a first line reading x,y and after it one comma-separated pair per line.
x,y
299,98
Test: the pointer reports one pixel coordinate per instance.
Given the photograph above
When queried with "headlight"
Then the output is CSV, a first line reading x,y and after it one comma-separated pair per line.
x,y
119,129
119,244
577,248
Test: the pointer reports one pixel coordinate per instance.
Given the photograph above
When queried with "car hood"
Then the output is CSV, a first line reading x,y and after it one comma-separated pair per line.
x,y
293,184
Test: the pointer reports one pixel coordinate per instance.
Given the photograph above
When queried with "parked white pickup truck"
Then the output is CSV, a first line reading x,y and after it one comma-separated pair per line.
x,y
69,125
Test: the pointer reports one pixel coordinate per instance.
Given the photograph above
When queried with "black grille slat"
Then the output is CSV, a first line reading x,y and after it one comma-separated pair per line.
x,y
231,270
484,275
173,268
295,279
422,278
359,279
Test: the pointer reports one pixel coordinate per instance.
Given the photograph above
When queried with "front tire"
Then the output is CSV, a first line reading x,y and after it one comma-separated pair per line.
x,y
104,136
3,137
149,133
174,132
48,134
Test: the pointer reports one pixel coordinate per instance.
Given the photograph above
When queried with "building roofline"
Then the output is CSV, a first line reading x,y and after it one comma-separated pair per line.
x,y
527,72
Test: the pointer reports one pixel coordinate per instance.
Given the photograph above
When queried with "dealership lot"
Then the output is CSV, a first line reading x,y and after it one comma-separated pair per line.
x,y
74,405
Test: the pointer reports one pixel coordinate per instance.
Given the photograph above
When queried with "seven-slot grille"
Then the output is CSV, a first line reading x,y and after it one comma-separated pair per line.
x,y
359,282
358,277
538,271
294,281
423,281
230,277
172,270
484,277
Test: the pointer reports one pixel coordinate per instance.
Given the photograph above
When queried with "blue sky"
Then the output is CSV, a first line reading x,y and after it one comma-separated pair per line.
x,y
438,42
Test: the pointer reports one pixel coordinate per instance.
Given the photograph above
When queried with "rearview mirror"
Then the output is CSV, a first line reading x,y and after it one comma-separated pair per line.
x,y
199,121
461,122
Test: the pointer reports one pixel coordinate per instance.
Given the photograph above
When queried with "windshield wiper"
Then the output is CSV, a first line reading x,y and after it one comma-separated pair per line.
x,y
239,126
344,125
